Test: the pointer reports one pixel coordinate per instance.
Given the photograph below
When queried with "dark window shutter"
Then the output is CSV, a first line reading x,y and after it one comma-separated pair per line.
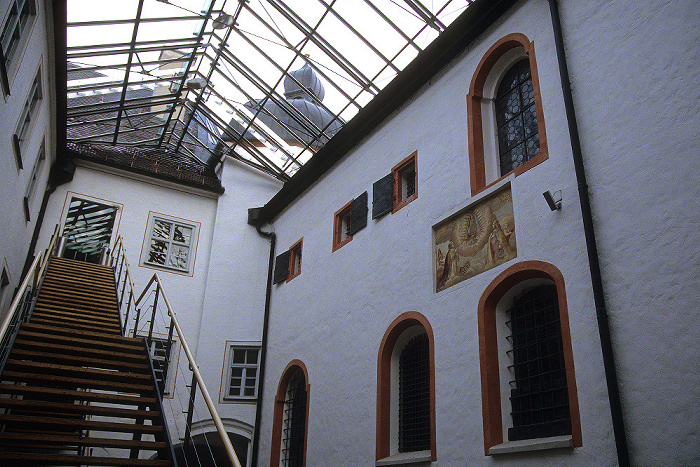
x,y
383,196
358,214
281,268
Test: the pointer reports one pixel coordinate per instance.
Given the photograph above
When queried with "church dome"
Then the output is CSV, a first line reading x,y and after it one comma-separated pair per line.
x,y
310,84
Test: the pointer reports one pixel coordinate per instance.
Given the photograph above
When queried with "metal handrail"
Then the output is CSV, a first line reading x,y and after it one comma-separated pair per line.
x,y
41,261
195,371
119,253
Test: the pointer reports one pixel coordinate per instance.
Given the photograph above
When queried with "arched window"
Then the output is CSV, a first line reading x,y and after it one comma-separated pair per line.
x,y
289,427
406,392
516,119
504,111
527,368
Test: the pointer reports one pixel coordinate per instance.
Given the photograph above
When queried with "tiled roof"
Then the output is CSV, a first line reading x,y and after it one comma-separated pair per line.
x,y
153,162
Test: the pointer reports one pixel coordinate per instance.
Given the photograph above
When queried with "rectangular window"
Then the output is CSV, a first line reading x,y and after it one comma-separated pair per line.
x,y
349,220
405,177
27,117
294,260
170,244
20,16
242,380
31,185
341,226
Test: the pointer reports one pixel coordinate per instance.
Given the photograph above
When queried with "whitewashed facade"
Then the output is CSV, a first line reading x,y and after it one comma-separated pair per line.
x,y
635,77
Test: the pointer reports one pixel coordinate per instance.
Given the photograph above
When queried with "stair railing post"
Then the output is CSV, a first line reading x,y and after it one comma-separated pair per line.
x,y
153,315
190,411
128,308
136,322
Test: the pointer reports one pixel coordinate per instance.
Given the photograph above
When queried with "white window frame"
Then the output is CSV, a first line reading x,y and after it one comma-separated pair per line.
x,y
230,365
33,178
14,36
174,222
27,118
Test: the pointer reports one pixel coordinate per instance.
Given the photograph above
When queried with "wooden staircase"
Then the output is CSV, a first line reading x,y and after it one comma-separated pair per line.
x,y
73,390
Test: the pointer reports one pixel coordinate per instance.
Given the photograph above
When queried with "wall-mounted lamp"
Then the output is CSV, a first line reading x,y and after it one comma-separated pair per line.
x,y
554,201
223,21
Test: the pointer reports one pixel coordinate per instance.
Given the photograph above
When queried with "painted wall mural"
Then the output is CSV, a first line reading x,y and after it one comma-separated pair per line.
x,y
475,240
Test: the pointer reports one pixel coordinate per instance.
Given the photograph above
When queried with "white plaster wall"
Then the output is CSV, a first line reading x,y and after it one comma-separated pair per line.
x,y
635,75
138,198
334,315
15,232
234,299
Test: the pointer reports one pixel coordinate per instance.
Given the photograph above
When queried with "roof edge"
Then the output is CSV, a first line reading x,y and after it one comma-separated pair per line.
x,y
462,32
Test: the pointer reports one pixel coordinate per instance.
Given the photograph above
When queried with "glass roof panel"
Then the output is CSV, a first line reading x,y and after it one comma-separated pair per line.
x,y
265,81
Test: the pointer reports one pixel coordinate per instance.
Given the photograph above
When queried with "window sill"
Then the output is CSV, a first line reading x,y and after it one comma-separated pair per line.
x,y
404,458
532,445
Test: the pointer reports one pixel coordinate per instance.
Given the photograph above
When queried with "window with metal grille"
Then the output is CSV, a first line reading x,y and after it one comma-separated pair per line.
x,y
516,118
294,421
414,395
170,244
243,372
539,395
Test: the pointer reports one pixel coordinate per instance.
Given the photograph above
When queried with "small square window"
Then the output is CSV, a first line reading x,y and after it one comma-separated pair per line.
x,y
294,260
405,178
170,244
341,226
242,373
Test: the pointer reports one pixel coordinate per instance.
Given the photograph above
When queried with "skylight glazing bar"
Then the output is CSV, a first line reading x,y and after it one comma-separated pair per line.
x,y
125,86
212,66
326,47
369,44
298,54
270,94
193,59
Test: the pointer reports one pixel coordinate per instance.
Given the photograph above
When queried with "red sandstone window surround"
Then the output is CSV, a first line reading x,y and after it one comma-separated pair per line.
x,y
484,164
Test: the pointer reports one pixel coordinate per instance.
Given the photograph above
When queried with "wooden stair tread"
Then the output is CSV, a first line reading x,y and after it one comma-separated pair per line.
x,y
43,440
81,409
82,334
70,394
65,381
66,370
77,359
45,338
22,459
38,319
80,424
117,356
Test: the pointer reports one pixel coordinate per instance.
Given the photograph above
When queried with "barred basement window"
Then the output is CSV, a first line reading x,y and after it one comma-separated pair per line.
x,y
243,372
539,394
414,395
516,118
294,421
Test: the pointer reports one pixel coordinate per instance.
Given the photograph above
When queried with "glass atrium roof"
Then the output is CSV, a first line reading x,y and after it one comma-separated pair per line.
x,y
208,78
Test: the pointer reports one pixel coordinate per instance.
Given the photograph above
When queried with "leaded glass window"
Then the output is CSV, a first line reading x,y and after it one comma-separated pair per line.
x,y
243,372
170,244
414,395
539,395
516,118
294,421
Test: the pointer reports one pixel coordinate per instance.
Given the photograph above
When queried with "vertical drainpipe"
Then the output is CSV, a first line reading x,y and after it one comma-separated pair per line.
x,y
252,220
591,246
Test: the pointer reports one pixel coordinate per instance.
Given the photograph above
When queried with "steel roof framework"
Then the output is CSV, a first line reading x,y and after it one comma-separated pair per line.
x,y
172,74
